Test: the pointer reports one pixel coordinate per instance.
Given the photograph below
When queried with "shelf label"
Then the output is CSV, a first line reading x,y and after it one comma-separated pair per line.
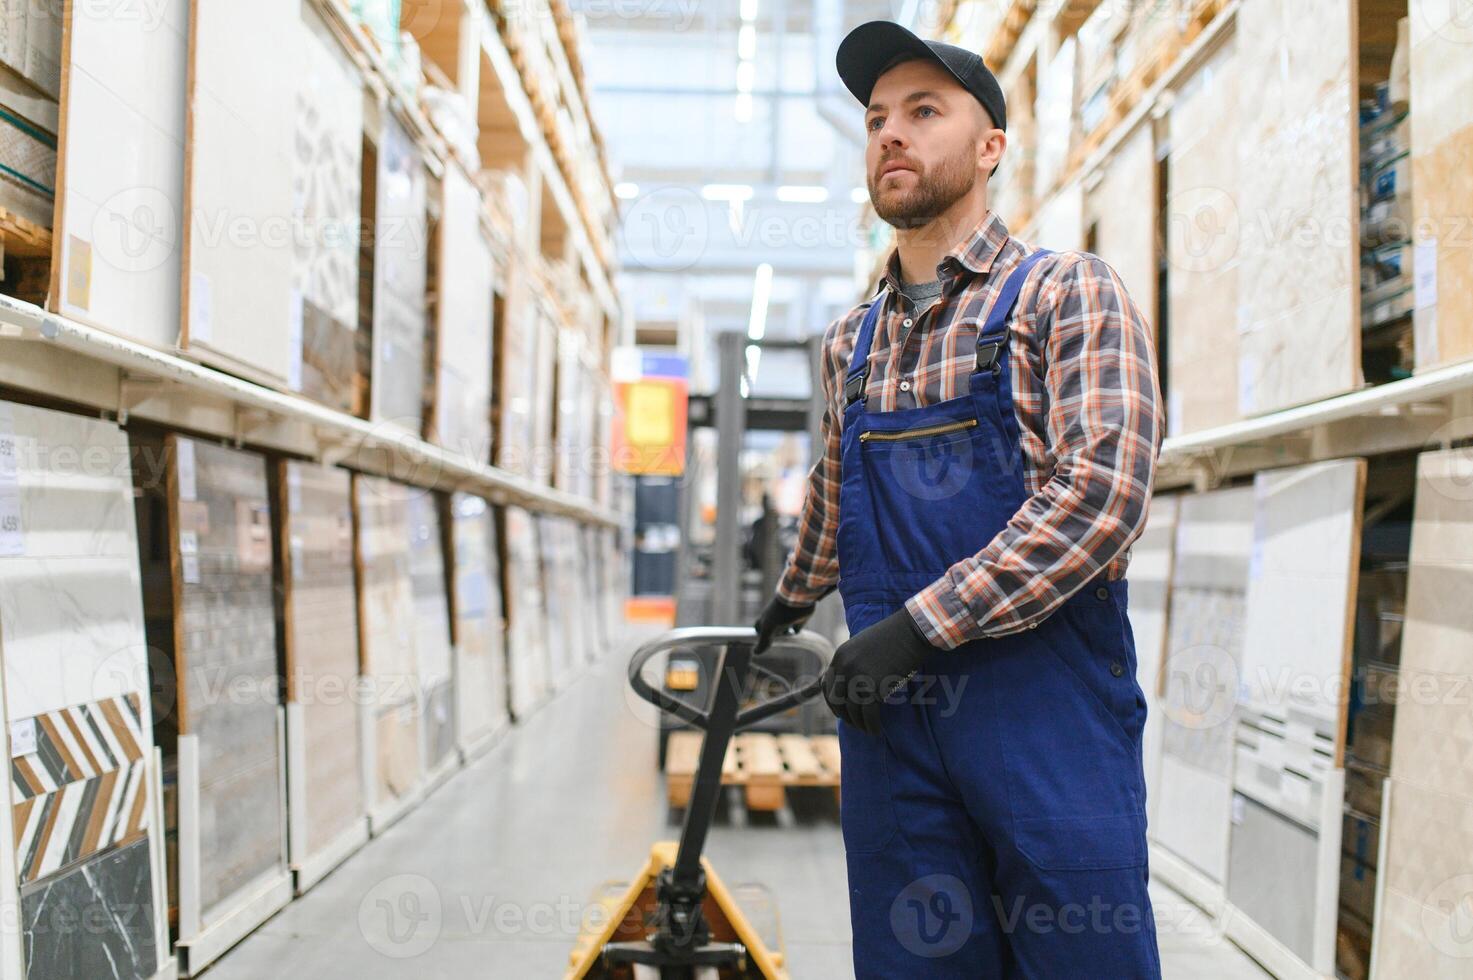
x,y
22,737
12,538
184,454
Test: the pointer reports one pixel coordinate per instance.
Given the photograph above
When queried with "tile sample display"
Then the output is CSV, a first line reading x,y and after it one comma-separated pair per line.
x,y
1297,193
1302,578
1442,183
112,893
516,354
465,272
432,625
237,307
71,619
326,190
1125,237
77,694
387,633
1209,584
543,408
1422,923
320,618
120,186
1150,590
528,664
590,582
559,600
1284,850
480,629
400,237
225,656
1203,231
83,786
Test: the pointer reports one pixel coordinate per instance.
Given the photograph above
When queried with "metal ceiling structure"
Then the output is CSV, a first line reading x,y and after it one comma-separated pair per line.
x,y
735,146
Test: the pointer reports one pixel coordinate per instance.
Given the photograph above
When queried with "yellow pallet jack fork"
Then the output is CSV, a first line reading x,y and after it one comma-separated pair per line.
x,y
677,920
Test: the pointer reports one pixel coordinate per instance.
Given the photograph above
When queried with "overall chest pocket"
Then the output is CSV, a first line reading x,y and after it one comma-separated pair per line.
x,y
927,491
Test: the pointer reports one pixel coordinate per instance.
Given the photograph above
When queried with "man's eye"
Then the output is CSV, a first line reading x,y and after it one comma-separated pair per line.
x,y
874,123
925,108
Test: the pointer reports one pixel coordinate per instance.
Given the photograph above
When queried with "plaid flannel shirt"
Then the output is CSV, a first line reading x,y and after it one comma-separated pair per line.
x,y
1089,409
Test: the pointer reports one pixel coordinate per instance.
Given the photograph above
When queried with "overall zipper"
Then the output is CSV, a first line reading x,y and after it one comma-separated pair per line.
x,y
928,430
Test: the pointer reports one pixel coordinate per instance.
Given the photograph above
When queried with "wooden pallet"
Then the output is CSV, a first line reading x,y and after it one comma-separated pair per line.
x,y
765,766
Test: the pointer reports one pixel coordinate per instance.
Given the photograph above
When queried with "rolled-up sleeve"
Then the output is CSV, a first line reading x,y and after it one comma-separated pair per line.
x,y
1104,428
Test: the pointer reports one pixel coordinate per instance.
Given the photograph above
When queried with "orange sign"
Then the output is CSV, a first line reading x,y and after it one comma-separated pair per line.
x,y
649,427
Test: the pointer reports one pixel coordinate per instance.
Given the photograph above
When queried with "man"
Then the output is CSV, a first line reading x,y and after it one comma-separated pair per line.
x,y
987,457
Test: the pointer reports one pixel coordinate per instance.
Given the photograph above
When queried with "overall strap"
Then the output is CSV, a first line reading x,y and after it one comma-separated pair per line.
x,y
992,339
859,360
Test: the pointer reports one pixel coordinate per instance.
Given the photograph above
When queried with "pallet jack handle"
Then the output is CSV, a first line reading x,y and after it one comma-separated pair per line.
x,y
681,936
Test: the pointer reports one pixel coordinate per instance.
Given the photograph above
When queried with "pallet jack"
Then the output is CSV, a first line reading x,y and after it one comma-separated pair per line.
x,y
677,920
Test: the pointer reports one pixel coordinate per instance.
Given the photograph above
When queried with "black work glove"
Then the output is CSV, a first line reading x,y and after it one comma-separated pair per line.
x,y
779,618
869,666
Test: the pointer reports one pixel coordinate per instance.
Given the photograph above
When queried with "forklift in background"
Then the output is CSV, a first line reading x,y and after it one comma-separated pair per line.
x,y
730,582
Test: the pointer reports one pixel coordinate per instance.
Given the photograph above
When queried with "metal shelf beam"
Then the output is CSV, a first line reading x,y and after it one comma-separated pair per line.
x,y
340,438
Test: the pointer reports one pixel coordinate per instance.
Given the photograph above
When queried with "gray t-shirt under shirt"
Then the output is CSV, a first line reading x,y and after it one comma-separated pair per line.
x,y
922,295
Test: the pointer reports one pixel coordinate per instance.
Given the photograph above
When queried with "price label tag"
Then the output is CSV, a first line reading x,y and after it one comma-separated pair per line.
x,y
12,540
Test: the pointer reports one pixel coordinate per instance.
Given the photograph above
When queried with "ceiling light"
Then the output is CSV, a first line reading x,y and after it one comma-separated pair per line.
x,y
747,42
802,194
727,192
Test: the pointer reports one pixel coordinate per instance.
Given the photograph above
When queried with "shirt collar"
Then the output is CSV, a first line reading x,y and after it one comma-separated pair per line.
x,y
975,253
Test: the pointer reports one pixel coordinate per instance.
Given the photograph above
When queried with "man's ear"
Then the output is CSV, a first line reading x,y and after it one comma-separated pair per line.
x,y
990,136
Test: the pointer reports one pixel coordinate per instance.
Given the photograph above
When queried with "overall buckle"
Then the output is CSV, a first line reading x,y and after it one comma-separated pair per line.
x,y
854,388
989,352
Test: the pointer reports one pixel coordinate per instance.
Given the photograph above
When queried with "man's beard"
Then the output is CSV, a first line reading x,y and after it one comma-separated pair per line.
x,y
952,179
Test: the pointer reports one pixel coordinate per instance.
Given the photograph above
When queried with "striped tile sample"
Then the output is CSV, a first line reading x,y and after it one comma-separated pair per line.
x,y
431,624
480,646
387,630
1209,583
83,789
321,622
226,625
527,656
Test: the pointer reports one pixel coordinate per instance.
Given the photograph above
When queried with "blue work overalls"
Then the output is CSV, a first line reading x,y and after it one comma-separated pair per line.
x,y
996,828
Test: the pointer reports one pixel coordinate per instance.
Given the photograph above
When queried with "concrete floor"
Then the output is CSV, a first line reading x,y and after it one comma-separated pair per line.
x,y
489,876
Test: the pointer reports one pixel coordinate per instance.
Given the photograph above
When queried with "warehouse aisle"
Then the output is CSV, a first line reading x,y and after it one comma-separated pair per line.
x,y
488,877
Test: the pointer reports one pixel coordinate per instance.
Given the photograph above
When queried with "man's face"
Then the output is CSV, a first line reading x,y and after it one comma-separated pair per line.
x,y
924,133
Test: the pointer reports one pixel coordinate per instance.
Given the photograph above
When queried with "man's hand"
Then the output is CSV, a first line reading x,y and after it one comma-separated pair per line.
x,y
870,666
777,619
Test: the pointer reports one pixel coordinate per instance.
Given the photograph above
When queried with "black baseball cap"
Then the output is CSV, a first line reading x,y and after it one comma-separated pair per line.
x,y
866,50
